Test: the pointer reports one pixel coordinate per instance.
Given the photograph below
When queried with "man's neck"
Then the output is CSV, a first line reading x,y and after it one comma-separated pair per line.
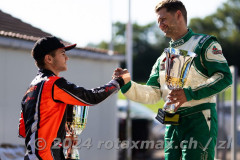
x,y
182,32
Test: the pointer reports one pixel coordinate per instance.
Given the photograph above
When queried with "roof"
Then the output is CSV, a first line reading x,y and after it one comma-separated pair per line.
x,y
16,28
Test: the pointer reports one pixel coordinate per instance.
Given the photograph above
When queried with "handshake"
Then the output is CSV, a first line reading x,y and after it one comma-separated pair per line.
x,y
119,72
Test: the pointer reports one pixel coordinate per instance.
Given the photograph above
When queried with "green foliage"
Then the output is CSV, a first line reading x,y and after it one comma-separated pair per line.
x,y
225,25
148,45
148,42
155,107
228,93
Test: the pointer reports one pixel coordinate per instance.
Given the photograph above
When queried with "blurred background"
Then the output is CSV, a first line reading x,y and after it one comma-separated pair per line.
x,y
99,29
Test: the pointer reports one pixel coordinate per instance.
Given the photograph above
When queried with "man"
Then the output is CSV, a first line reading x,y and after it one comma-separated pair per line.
x,y
194,138
43,105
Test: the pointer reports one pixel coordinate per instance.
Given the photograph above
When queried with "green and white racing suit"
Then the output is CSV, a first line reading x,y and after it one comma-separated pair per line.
x,y
195,137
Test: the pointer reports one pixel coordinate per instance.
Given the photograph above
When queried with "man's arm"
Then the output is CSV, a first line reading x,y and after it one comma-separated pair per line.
x,y
69,93
147,94
142,93
218,73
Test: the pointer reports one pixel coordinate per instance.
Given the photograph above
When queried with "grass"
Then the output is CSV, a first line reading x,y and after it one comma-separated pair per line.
x,y
228,93
155,107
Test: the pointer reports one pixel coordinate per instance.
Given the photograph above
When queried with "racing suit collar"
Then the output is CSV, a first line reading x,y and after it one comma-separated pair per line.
x,y
45,71
182,40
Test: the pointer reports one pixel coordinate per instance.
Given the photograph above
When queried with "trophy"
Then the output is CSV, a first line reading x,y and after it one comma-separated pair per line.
x,y
178,63
75,124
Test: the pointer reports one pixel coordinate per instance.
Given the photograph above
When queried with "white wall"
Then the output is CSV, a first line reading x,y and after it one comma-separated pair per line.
x,y
17,70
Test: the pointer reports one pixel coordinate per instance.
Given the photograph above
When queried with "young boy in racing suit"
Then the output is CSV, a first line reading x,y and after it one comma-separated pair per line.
x,y
43,108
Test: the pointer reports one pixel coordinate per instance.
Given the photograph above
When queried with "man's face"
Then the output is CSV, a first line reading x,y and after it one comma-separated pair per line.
x,y
167,22
60,60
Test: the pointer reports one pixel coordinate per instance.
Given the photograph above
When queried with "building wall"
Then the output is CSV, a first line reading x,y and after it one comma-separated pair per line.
x,y
17,70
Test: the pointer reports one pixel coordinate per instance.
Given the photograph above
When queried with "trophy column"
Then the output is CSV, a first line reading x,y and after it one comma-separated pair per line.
x,y
75,124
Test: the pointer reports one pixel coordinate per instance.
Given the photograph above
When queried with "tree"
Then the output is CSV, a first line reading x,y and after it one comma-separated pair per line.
x,y
225,25
148,45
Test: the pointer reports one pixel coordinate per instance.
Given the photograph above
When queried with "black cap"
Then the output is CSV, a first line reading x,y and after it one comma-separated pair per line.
x,y
47,44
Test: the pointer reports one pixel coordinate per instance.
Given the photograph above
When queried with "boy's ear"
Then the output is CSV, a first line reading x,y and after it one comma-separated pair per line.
x,y
48,59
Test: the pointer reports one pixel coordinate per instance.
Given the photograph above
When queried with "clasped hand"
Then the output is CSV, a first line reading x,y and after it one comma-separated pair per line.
x,y
119,72
176,96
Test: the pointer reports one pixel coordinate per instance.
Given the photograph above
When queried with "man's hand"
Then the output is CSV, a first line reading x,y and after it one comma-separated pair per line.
x,y
119,72
177,97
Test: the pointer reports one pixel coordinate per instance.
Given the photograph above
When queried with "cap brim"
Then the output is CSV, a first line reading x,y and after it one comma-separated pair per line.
x,y
67,48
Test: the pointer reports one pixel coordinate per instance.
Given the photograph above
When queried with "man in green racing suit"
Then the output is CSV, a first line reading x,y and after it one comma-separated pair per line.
x,y
195,136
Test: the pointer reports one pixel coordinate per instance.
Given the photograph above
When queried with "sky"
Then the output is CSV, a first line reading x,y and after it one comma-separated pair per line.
x,y
89,21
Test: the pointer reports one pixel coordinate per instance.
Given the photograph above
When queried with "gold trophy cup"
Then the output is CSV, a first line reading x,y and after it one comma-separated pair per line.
x,y
76,123
178,63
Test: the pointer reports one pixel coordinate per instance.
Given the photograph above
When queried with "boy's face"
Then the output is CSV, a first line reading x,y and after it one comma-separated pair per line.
x,y
59,62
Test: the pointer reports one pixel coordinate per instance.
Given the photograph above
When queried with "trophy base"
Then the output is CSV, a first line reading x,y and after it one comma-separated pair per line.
x,y
72,154
167,118
169,108
67,158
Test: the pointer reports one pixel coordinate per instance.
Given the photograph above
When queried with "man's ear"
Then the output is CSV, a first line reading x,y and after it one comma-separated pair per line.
x,y
179,14
48,59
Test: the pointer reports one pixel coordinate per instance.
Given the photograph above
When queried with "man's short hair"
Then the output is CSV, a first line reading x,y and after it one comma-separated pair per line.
x,y
172,6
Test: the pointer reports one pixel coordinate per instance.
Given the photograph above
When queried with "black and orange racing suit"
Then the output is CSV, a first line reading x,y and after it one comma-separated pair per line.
x,y
43,114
